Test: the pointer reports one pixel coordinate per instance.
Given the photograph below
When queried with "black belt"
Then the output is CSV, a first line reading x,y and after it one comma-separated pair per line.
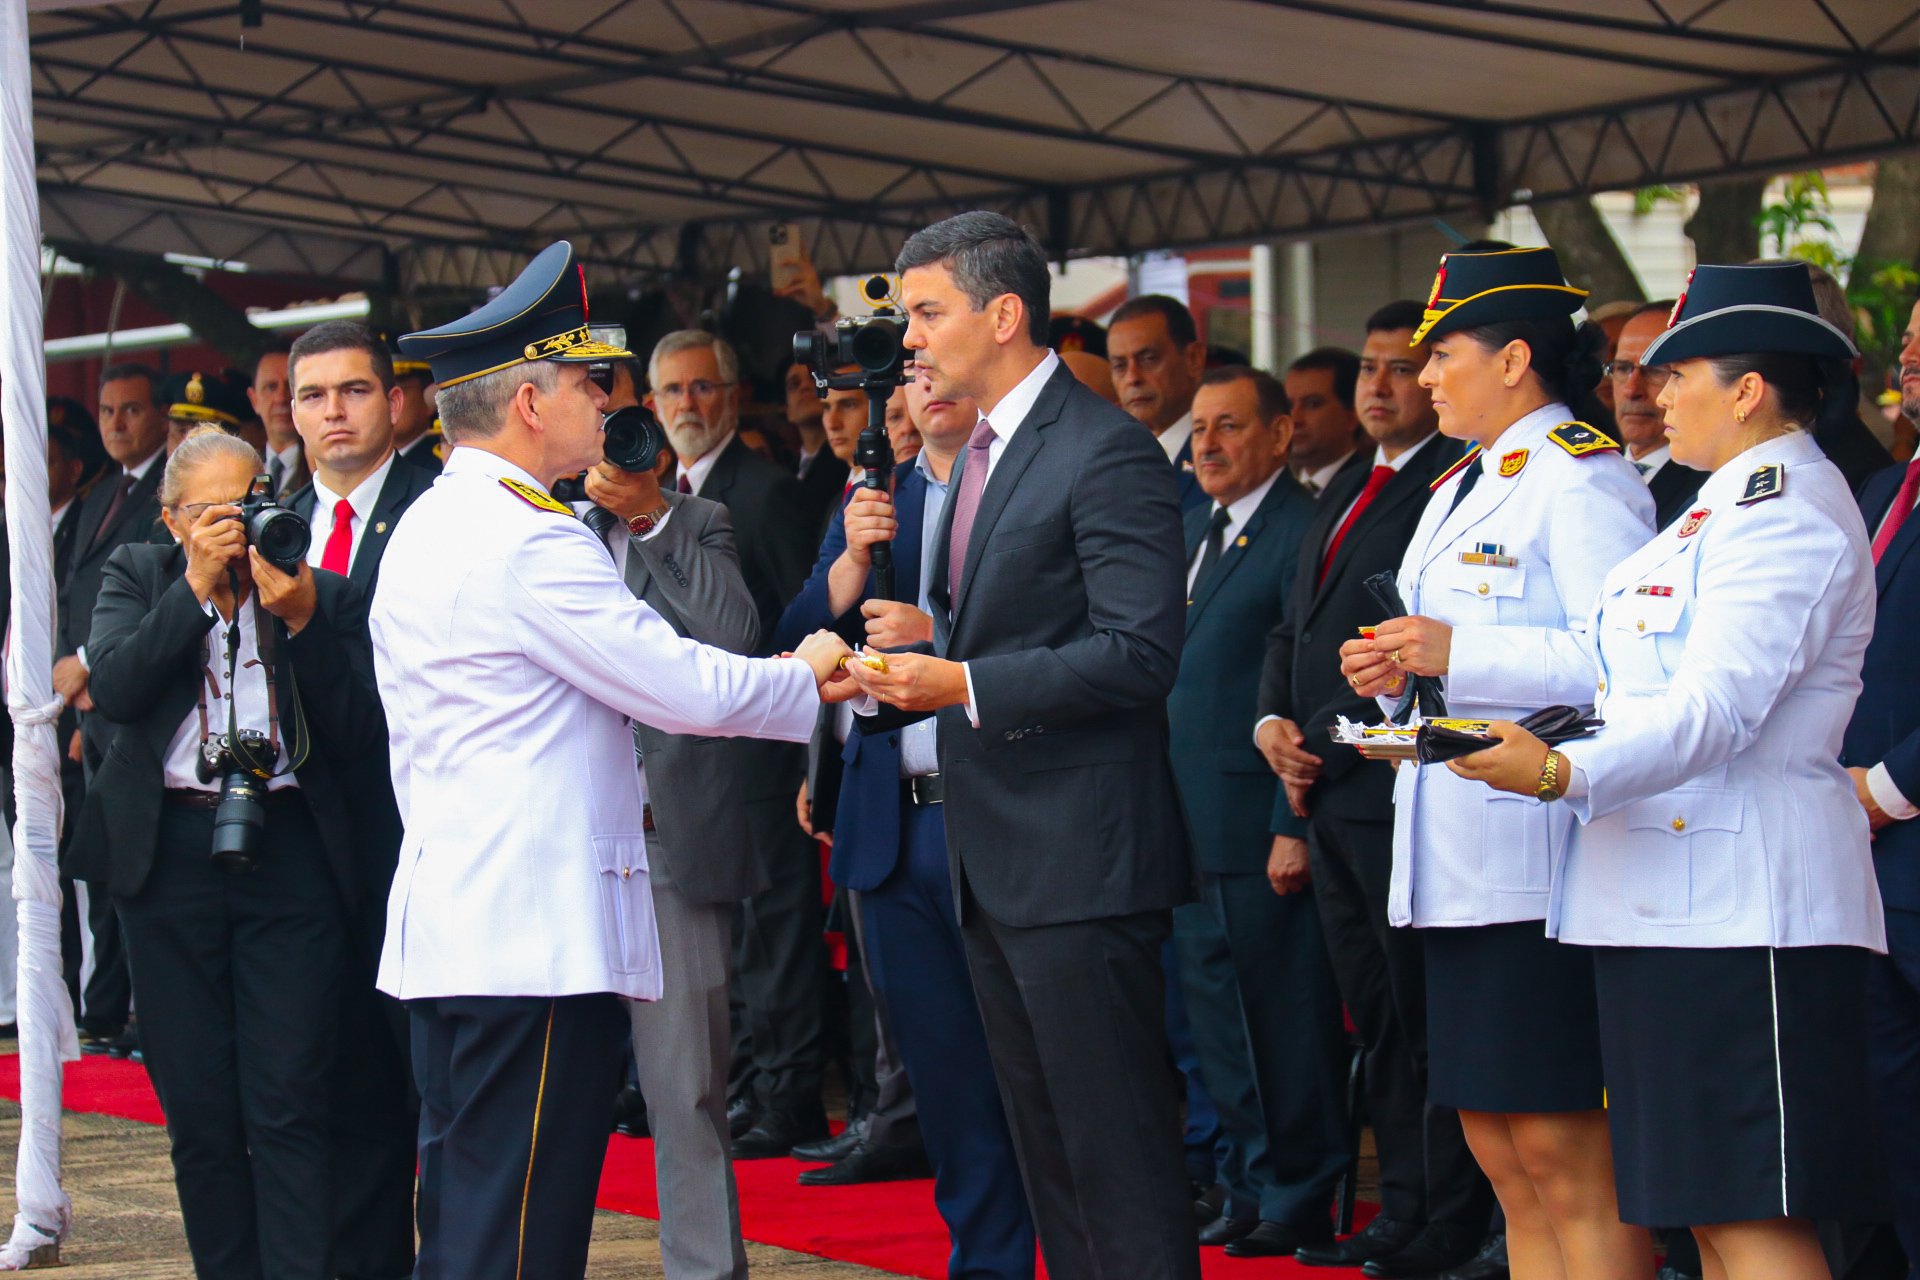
x,y
188,798
928,788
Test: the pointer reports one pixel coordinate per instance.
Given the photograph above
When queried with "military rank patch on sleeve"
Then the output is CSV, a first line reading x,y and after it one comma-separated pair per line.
x,y
1579,439
534,497
1766,482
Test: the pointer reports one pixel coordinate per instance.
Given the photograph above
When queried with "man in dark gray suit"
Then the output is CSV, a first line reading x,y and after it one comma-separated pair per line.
x,y
677,553
1057,598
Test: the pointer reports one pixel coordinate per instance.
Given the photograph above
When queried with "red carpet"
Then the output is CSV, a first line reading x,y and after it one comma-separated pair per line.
x,y
891,1226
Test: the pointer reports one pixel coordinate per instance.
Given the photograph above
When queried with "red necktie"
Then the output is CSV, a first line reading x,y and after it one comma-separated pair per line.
x,y
684,485
338,555
1897,514
1375,483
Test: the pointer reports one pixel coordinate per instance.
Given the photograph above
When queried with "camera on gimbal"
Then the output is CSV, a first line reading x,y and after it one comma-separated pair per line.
x,y
876,346
281,535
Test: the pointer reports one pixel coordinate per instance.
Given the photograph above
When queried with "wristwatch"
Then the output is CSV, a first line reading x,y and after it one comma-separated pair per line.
x,y
647,521
1550,787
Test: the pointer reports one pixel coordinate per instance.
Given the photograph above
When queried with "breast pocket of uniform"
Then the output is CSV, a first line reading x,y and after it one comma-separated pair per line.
x,y
626,903
1481,593
1683,850
1646,636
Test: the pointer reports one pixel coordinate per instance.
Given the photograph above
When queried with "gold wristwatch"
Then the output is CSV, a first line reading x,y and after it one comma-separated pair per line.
x,y
1550,787
646,521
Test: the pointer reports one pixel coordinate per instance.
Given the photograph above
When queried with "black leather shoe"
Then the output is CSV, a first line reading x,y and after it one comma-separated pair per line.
x,y
1277,1240
1208,1203
740,1116
835,1149
865,1164
630,1114
777,1132
127,1043
1440,1246
1488,1264
1225,1230
95,1041
1382,1238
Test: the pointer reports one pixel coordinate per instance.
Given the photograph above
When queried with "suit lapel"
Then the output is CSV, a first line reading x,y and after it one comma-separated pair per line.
x,y
910,505
379,523
1285,489
1015,457
1896,550
1489,494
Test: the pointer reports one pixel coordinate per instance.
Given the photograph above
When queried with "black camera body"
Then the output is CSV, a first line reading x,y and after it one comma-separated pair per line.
x,y
280,534
875,343
634,441
240,819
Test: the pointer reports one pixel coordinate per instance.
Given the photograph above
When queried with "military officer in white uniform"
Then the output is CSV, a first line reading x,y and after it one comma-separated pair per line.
x,y
1723,874
512,659
1514,543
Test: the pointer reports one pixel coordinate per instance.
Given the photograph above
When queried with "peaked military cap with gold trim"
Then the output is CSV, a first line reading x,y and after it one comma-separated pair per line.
x,y
1473,289
542,315
1730,311
404,364
194,397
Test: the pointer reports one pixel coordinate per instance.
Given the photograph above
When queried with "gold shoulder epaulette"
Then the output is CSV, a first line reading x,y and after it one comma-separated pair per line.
x,y
534,497
1466,460
1766,482
1579,439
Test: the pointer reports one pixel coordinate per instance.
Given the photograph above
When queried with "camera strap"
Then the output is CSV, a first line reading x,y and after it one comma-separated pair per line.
x,y
267,641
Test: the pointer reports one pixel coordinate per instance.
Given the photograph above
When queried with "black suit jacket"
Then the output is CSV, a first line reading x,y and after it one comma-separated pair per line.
x,y
822,484
1301,677
1672,489
147,651
774,534
402,486
1070,615
368,775
1851,446
92,546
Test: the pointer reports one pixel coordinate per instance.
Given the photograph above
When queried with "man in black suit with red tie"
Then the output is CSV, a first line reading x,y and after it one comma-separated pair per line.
x,y
1335,813
1058,601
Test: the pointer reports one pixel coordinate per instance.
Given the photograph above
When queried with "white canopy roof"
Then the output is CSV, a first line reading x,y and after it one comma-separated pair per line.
x,y
443,140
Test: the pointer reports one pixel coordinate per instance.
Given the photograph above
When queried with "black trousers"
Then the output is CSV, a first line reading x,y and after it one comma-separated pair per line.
x,y
375,1117
1075,1021
516,1102
239,995
782,971
1427,1174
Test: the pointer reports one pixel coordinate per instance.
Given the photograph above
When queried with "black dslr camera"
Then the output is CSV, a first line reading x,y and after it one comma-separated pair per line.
x,y
282,536
240,820
876,345
634,441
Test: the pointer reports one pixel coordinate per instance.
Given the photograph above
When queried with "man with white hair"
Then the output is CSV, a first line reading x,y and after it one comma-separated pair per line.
x,y
695,381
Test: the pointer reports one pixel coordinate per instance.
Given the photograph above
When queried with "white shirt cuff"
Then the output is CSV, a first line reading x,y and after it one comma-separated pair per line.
x,y
973,703
81,653
1887,796
864,704
1576,780
1256,727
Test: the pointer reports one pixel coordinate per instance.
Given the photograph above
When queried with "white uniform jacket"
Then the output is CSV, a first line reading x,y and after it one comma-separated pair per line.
x,y
1715,811
1523,554
510,658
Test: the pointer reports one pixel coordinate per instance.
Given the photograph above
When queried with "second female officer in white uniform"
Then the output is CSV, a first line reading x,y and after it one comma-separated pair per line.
x,y
1722,873
1514,542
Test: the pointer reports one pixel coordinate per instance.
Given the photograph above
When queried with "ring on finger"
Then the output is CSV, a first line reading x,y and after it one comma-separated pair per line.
x,y
1396,657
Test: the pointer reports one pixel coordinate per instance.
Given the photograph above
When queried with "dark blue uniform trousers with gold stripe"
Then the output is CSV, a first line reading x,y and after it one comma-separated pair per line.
x,y
516,1101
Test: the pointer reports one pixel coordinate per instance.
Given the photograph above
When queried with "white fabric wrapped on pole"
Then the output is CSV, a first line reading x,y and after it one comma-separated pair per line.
x,y
47,1035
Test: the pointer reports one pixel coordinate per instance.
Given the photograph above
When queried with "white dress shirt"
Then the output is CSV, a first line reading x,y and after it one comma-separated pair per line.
x,y
179,767
1316,482
701,467
1175,437
363,499
1649,463
1238,513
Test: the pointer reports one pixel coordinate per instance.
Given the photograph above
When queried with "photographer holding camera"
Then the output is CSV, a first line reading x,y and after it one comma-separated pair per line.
x,y
239,683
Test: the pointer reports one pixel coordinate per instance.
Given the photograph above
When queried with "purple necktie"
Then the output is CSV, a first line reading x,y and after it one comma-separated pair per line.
x,y
966,504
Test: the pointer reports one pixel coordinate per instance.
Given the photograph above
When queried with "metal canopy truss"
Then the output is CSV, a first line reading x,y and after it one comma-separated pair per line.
x,y
445,139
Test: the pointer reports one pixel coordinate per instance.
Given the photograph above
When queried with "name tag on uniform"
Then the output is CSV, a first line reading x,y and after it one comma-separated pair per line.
x,y
1489,553
1662,592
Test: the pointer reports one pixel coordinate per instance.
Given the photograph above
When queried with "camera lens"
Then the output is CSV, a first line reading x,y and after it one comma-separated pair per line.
x,y
808,349
281,536
877,347
240,822
634,439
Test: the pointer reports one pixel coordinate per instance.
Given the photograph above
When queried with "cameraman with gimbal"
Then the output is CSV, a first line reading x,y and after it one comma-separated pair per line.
x,y
239,683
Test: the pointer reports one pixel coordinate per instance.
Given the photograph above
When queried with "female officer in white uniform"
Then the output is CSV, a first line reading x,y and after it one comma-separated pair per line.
x,y
1515,541
1722,872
